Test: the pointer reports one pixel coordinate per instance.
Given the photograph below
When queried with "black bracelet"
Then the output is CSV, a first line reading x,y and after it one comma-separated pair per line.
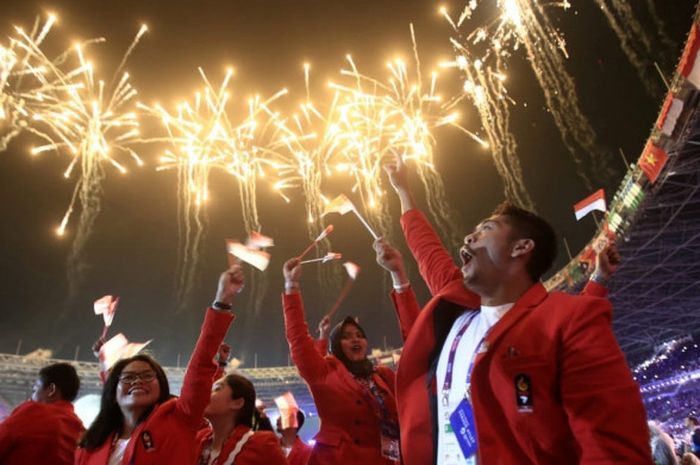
x,y
221,306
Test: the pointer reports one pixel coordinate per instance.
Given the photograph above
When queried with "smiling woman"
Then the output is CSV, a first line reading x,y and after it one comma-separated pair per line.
x,y
354,398
139,421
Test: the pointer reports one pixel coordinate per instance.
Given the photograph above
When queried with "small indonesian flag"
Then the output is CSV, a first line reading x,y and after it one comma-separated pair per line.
x,y
353,269
330,256
340,204
689,65
257,258
258,241
118,348
288,408
595,201
106,306
652,161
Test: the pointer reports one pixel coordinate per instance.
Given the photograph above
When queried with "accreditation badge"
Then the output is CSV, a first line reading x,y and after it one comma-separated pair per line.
x,y
462,421
523,393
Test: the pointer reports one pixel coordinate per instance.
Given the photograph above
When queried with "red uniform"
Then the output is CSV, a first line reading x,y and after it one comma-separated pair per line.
x,y
168,435
300,453
261,448
40,433
350,429
585,406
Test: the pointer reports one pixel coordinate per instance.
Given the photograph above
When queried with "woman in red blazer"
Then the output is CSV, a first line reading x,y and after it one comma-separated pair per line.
x,y
139,422
230,439
355,400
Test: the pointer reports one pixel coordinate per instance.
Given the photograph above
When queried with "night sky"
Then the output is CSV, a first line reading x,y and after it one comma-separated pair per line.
x,y
133,250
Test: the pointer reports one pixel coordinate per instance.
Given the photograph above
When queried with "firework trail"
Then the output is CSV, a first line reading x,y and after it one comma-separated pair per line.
x,y
524,23
202,138
634,39
92,123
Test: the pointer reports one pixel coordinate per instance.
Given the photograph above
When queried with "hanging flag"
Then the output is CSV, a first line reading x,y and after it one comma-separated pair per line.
x,y
258,241
352,269
340,204
118,348
689,65
288,408
652,161
595,201
106,306
257,258
670,112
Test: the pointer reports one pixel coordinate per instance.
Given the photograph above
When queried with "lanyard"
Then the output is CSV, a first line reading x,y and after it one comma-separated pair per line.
x,y
447,385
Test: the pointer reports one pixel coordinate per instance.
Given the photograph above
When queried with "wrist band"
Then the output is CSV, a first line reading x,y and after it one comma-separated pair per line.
x,y
402,287
221,306
598,278
289,286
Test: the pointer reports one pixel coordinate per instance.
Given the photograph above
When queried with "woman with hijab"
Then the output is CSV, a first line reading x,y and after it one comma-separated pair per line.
x,y
355,399
139,422
230,438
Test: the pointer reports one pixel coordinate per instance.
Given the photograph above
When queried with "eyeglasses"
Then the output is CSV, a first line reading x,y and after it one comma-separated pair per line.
x,y
131,378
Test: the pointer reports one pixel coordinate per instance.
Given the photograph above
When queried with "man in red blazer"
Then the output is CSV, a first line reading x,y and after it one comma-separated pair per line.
x,y
495,369
44,429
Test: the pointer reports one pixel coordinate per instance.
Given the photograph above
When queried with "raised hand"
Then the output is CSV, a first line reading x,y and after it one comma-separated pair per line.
x,y
607,261
398,176
292,273
389,258
324,327
231,283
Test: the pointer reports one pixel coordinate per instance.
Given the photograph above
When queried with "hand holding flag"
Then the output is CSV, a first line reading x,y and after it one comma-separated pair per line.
x,y
257,258
106,306
288,408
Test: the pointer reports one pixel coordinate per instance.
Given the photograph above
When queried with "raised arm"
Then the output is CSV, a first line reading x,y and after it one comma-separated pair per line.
x,y
403,297
196,386
594,373
436,265
606,264
310,363
324,329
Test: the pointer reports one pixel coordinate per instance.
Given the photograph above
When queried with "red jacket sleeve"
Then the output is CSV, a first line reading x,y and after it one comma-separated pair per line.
x,y
407,309
196,386
11,426
602,401
594,289
311,364
321,346
434,262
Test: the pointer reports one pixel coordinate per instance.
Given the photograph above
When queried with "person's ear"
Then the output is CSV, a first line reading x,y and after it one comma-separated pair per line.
x,y
52,391
522,247
236,404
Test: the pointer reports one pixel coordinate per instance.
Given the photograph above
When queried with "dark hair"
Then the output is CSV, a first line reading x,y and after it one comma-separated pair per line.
x,y
693,420
64,377
300,419
110,418
241,387
528,225
362,368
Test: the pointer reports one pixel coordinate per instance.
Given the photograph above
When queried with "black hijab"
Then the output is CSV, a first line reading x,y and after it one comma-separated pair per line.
x,y
361,369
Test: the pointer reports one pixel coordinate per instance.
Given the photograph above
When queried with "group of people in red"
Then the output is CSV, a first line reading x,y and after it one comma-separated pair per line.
x,y
494,370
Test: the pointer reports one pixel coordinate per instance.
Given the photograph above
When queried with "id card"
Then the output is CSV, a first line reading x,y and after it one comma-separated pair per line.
x,y
462,421
390,440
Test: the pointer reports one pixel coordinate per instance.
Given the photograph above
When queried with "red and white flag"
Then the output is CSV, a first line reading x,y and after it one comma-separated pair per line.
x,y
258,241
106,306
257,258
288,408
689,65
118,348
352,269
595,201
340,204
324,233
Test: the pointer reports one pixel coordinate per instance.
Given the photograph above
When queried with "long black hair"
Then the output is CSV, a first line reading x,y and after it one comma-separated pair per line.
x,y
110,419
242,388
361,369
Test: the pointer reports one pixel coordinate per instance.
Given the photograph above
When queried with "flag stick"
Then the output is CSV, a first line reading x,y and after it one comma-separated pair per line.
x,y
343,294
568,250
104,332
320,259
362,220
307,250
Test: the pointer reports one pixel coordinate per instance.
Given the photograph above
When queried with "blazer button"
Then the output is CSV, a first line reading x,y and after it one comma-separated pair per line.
x,y
356,441
358,402
357,422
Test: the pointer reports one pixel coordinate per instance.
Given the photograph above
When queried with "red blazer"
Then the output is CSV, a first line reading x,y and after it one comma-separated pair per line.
x,y
349,431
300,453
263,447
587,409
172,426
40,433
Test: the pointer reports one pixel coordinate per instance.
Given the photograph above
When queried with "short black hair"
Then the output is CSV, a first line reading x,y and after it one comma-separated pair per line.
x,y
64,377
300,419
528,225
693,420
